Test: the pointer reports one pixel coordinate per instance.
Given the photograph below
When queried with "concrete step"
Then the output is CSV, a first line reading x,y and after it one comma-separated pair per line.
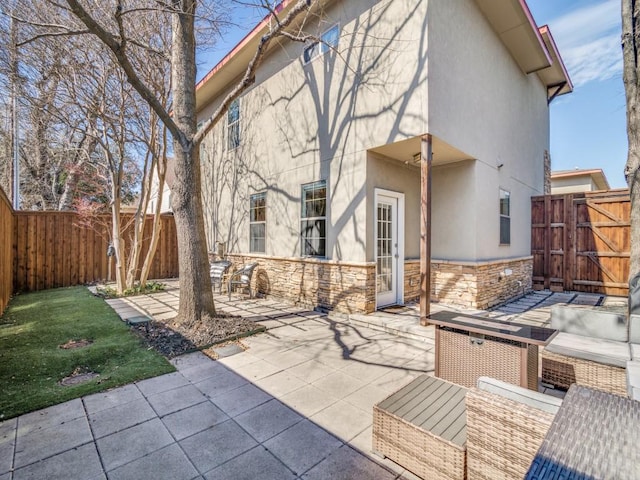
x,y
399,325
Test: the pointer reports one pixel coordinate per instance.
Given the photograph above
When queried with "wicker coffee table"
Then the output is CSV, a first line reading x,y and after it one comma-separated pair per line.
x,y
594,436
469,347
423,428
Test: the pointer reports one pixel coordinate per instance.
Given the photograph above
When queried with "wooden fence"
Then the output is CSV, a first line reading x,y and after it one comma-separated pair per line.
x,y
40,250
55,249
6,250
581,242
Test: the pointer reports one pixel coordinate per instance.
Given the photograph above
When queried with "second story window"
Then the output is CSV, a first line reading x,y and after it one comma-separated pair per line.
x,y
505,217
257,222
233,125
314,219
328,40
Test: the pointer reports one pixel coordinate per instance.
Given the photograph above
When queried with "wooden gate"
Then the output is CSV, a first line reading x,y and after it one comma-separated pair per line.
x,y
581,242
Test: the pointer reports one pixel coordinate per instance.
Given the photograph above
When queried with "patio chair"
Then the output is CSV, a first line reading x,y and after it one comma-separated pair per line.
x,y
505,427
217,272
242,278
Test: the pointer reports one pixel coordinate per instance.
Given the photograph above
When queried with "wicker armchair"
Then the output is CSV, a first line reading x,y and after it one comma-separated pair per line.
x,y
242,278
217,271
503,435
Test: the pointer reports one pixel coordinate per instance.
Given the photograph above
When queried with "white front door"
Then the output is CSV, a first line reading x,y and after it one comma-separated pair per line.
x,y
389,241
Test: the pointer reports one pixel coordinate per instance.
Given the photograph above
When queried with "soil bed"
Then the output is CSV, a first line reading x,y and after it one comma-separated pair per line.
x,y
171,339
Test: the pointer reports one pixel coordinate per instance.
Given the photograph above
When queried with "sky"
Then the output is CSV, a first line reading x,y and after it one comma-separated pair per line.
x,y
588,126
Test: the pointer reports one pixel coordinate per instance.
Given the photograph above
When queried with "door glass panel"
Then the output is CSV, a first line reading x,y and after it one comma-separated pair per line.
x,y
385,254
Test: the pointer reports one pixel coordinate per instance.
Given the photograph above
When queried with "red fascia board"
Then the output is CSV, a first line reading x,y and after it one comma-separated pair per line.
x,y
247,38
545,29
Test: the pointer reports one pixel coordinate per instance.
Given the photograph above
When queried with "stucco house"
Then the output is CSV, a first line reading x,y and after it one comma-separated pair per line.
x,y
429,115
578,180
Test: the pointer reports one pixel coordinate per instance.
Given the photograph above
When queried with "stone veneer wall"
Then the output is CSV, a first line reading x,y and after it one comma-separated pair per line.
x,y
480,284
350,287
412,280
471,284
338,286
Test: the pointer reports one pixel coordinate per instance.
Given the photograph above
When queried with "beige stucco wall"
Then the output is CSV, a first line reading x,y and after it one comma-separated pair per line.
x,y
302,123
393,79
483,104
572,185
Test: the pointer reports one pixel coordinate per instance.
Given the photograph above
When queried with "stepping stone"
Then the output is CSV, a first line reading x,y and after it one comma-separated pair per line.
x,y
228,350
138,321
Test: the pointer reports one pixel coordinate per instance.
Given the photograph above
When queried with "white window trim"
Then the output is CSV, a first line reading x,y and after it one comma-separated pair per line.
x,y
325,217
501,216
320,44
264,192
228,127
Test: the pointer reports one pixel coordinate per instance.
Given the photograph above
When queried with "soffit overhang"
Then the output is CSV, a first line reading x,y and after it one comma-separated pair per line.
x,y
533,49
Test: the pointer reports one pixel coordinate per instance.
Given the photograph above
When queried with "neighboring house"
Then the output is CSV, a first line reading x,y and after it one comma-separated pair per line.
x,y
316,170
572,181
165,198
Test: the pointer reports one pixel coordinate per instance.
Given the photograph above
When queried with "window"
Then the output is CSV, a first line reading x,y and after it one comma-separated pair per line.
x,y
233,125
257,222
328,40
313,219
505,217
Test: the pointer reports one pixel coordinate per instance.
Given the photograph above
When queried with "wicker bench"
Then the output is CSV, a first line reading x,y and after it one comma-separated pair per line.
x,y
422,427
592,349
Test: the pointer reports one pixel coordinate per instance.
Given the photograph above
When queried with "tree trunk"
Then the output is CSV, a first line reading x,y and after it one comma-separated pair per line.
x,y
630,46
118,244
161,168
196,296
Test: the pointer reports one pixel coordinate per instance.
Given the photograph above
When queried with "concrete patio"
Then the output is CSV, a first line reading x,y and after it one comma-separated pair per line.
x,y
296,403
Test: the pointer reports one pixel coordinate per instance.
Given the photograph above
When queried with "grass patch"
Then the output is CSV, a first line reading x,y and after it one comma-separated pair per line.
x,y
32,363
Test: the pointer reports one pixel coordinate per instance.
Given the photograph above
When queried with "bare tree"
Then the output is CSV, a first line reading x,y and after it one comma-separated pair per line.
x,y
115,26
631,79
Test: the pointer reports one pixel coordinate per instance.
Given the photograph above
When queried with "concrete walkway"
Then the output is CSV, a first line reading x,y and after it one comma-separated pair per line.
x,y
296,403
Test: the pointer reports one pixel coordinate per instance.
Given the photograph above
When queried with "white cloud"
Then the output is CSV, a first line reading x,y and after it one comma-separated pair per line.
x,y
589,41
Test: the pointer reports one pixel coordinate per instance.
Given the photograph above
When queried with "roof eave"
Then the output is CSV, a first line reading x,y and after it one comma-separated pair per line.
x,y
513,23
556,78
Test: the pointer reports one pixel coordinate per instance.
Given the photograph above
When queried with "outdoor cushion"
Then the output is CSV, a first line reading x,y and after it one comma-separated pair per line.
x,y
635,351
633,379
590,322
593,349
522,395
634,328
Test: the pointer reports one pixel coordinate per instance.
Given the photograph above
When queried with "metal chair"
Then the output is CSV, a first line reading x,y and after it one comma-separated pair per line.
x,y
242,278
217,271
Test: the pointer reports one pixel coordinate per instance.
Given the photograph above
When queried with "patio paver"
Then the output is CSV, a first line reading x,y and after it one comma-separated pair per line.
x,y
296,404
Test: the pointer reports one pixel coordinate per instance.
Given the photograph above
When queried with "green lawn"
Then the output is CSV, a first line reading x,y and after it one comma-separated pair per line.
x,y
32,363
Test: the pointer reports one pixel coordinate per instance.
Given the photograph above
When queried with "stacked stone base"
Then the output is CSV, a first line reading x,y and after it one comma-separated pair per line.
x,y
480,285
348,287
314,283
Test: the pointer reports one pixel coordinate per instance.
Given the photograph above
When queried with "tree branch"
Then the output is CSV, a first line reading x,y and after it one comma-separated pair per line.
x,y
117,48
249,75
52,34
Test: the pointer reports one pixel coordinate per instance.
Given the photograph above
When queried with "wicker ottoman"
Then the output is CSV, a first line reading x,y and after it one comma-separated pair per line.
x,y
423,428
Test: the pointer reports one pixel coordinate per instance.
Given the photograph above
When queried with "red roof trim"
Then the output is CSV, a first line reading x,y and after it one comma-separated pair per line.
x,y
545,29
247,38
